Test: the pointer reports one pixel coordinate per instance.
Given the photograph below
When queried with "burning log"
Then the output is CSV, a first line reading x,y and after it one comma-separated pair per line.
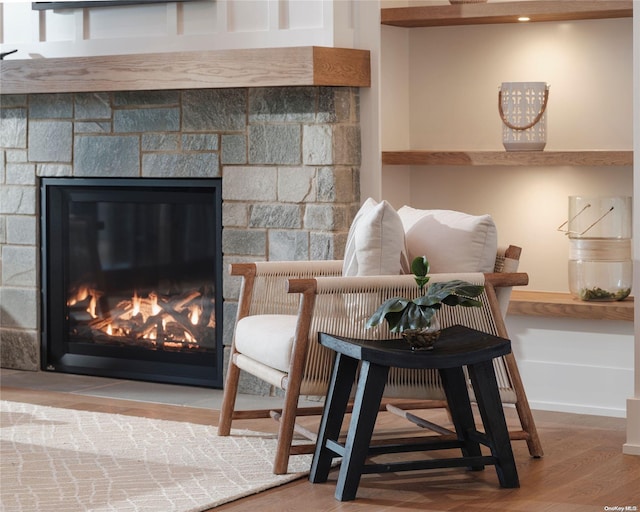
x,y
155,321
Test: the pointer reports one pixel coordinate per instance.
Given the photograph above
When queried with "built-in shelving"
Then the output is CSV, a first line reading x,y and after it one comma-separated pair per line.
x,y
532,303
564,305
514,158
262,67
505,12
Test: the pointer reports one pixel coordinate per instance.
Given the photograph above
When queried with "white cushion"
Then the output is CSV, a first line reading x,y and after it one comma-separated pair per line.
x,y
452,241
375,244
267,339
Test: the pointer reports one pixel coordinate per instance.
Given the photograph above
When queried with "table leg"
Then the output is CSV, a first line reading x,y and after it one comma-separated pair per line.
x,y
455,388
342,378
485,386
371,383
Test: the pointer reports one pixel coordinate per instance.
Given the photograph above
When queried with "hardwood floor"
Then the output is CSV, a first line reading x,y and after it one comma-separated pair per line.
x,y
583,468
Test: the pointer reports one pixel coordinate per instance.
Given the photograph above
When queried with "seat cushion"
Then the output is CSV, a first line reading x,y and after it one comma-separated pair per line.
x,y
267,339
376,242
452,241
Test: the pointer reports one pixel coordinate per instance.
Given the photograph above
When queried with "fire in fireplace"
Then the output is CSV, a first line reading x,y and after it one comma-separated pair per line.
x,y
132,278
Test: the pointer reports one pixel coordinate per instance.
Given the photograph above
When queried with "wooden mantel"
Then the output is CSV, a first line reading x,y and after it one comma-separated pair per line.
x,y
264,67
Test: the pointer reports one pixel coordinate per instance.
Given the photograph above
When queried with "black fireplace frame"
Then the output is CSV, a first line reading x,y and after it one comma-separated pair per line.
x,y
196,369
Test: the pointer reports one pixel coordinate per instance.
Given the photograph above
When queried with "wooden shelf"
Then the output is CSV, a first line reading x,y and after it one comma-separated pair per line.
x,y
564,305
503,158
505,12
264,67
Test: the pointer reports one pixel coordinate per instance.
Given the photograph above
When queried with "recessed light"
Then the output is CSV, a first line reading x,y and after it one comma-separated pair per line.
x,y
524,18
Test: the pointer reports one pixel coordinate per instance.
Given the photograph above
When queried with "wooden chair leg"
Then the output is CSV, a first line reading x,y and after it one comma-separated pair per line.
x,y
228,399
522,403
523,409
286,429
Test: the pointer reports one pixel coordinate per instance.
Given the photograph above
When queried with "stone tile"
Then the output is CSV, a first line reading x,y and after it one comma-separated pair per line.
x,y
21,230
282,104
13,100
50,141
318,145
337,105
275,144
160,142
19,265
3,235
13,128
93,105
326,217
51,106
337,184
18,199
20,350
146,120
244,242
288,245
145,98
275,216
346,145
59,382
297,184
235,214
214,110
19,307
233,149
183,165
92,127
230,312
18,156
249,184
20,174
54,170
327,246
108,156
200,142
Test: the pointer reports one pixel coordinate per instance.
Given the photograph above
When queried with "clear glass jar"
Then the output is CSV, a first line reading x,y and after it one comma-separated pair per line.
x,y
600,264
600,269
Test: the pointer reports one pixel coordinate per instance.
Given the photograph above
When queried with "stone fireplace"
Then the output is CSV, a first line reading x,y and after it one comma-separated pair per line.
x,y
288,159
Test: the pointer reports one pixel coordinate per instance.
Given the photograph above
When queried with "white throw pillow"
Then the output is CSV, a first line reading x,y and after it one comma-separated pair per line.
x,y
376,242
452,241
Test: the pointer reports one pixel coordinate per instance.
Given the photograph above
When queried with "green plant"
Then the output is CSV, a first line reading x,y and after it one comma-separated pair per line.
x,y
416,314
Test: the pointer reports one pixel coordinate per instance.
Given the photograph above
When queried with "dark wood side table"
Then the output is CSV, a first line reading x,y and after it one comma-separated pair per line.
x,y
458,346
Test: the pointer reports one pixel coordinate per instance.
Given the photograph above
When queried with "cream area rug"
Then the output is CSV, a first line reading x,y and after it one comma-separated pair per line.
x,y
63,460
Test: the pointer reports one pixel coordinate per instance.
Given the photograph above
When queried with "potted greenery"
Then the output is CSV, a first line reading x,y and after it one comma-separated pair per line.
x,y
415,318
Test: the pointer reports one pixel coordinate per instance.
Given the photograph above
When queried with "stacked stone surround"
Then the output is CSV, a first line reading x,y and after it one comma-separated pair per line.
x,y
288,158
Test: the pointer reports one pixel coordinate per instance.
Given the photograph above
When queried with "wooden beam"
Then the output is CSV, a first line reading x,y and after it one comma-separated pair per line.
x,y
264,67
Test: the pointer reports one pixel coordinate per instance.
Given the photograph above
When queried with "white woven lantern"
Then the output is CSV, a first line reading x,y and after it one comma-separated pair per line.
x,y
522,107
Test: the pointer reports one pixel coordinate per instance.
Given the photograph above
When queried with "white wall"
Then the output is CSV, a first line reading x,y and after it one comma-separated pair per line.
x,y
175,26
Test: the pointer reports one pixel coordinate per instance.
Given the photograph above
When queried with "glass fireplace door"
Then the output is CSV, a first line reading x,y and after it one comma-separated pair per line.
x,y
132,278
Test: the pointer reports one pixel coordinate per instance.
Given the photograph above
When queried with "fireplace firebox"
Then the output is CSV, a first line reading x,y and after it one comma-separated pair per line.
x,y
131,278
